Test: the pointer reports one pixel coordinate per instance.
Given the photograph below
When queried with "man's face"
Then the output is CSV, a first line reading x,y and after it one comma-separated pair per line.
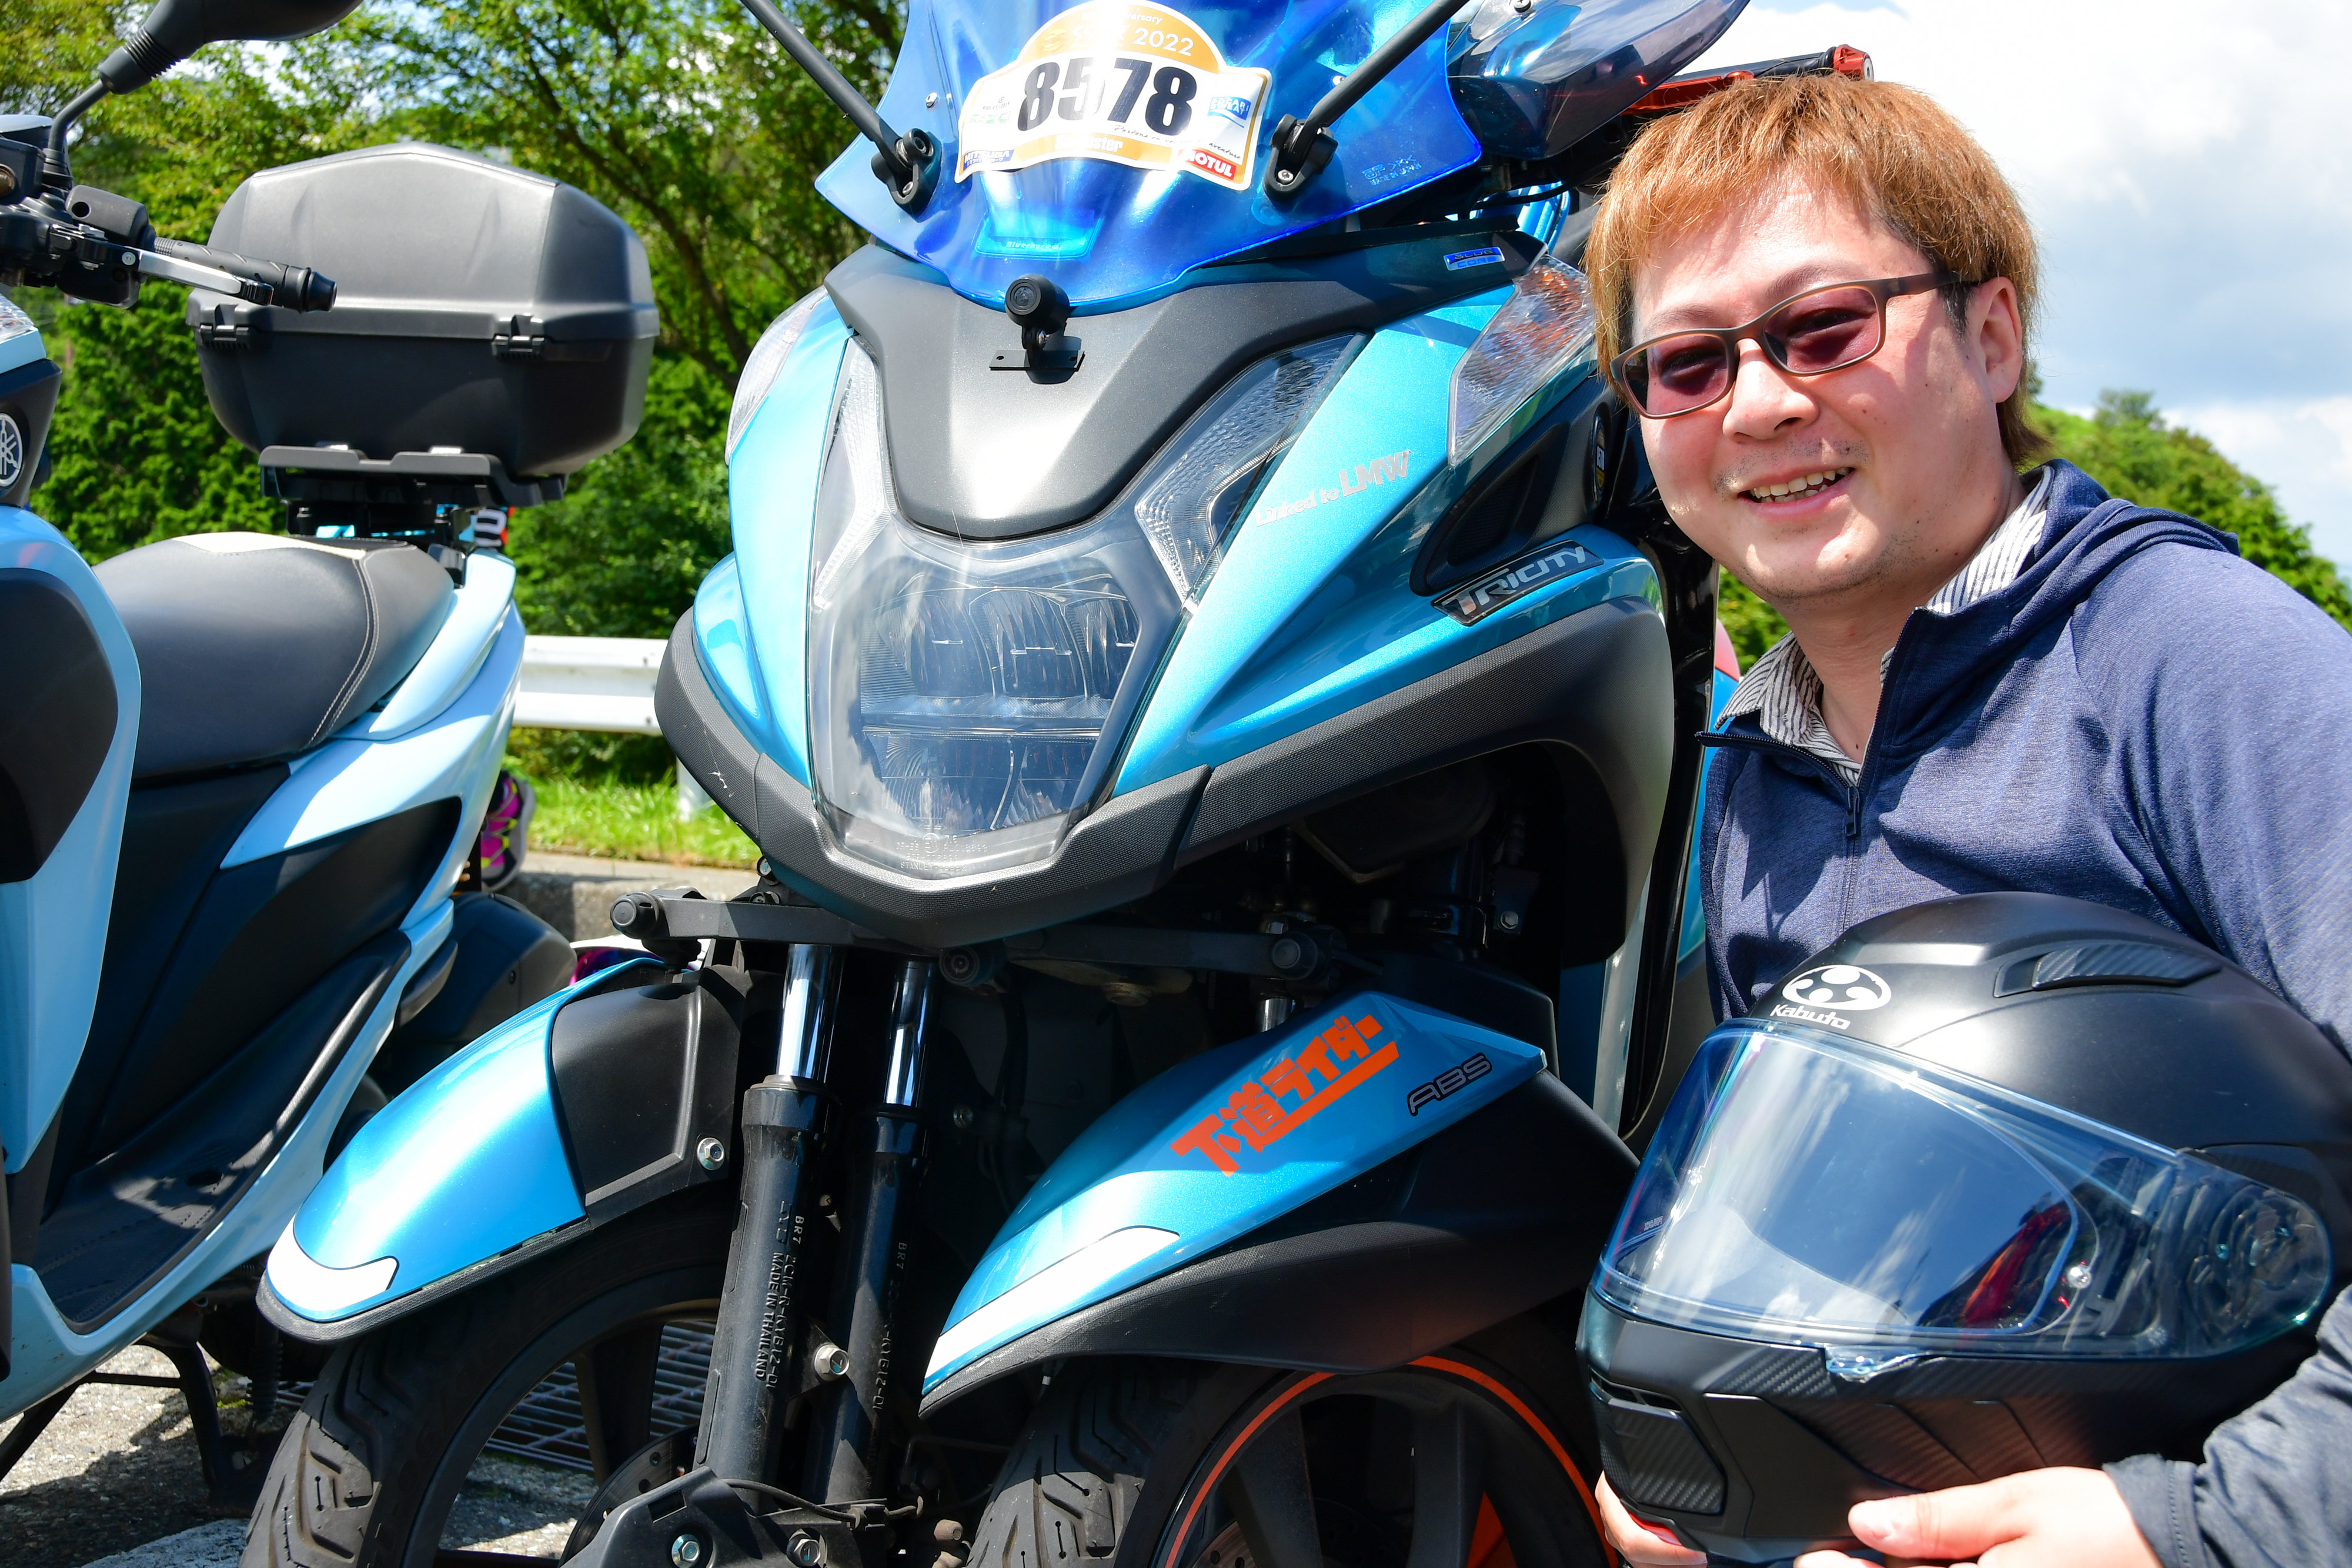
x,y
1909,436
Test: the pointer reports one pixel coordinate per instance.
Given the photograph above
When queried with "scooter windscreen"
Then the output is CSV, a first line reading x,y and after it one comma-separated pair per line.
x,y
1813,1189
1116,145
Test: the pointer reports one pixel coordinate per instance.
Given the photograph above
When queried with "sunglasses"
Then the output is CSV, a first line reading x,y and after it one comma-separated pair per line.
x,y
1809,334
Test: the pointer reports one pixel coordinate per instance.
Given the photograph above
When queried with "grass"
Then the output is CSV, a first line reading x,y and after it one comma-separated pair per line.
x,y
633,821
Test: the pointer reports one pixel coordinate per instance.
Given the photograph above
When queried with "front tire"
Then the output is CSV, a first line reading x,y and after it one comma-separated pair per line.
x,y
366,1474
1448,1462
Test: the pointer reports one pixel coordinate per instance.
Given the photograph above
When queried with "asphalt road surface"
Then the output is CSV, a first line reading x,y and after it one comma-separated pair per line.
x,y
115,1483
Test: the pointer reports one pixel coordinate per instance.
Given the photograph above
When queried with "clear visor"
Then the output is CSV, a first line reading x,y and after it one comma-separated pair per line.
x,y
1808,1189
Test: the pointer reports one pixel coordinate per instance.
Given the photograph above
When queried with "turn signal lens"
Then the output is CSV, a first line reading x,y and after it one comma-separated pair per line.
x,y
1543,328
765,362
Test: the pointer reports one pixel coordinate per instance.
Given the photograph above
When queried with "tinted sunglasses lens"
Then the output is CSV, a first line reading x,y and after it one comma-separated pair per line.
x,y
1825,331
1674,375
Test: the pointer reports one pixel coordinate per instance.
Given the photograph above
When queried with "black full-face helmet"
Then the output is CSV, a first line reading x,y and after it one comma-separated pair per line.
x,y
1993,1183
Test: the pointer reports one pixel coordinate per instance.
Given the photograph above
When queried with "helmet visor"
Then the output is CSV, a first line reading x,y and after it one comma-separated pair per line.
x,y
1810,1188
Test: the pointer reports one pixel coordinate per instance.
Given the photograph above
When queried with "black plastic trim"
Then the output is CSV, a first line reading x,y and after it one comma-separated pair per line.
x,y
1597,682
57,719
1121,851
28,395
1501,1212
994,456
640,1078
127,1221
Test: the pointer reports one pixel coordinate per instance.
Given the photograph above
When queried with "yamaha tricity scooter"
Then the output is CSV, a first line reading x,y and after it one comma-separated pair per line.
x,y
1217,695
246,778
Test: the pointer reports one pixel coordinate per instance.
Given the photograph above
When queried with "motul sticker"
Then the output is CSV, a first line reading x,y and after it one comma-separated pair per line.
x,y
1139,85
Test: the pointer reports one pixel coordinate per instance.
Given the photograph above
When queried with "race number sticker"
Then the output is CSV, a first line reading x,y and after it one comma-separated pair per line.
x,y
1127,83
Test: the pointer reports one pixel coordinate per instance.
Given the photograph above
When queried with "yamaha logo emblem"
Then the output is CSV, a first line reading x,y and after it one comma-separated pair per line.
x,y
12,454
1841,987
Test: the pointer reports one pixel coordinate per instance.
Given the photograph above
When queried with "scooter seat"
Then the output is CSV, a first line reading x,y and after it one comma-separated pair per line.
x,y
256,646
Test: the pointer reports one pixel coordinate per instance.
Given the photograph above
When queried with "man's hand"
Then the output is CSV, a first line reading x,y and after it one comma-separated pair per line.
x,y
1635,1542
2040,1519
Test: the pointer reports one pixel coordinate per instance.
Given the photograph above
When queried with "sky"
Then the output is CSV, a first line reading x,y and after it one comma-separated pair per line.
x,y
2189,170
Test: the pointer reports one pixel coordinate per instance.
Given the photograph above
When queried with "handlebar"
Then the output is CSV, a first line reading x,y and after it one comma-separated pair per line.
x,y
295,289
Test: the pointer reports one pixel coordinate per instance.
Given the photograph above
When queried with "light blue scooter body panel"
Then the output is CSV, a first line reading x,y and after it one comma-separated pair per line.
x,y
1309,613
758,667
1218,1145
440,734
53,924
467,1164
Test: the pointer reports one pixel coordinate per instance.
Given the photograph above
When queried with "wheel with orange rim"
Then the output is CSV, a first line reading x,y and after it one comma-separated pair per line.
x,y
1448,1462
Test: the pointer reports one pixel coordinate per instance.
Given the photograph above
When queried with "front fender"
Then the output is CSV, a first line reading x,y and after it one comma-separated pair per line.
x,y
1209,1213
570,1114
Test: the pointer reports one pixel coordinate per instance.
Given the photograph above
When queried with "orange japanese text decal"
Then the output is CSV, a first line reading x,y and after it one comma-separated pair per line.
x,y
1266,1108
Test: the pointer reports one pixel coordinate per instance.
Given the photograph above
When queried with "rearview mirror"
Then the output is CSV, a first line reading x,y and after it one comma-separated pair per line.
x,y
175,29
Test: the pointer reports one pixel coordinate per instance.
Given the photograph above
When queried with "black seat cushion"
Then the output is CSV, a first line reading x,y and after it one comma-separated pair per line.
x,y
254,646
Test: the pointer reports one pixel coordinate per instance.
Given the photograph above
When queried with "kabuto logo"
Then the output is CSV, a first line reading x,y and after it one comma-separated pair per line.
x,y
1842,987
1450,1081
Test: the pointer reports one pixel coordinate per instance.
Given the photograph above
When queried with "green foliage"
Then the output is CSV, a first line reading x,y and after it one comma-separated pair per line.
x,y
2130,450
633,821
135,454
590,757
1754,625
620,556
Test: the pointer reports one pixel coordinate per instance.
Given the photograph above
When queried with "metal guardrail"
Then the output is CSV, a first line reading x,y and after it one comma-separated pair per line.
x,y
603,684
589,683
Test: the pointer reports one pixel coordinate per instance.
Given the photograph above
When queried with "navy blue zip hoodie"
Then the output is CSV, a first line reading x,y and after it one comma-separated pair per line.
x,y
2144,720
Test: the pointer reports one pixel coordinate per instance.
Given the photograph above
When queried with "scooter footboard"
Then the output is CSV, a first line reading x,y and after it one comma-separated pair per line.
x,y
1501,1205
591,1103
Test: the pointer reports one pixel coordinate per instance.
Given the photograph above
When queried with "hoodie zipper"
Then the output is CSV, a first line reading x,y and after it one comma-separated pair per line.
x,y
1853,794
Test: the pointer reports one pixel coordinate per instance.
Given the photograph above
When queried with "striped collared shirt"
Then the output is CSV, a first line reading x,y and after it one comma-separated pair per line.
x,y
1785,695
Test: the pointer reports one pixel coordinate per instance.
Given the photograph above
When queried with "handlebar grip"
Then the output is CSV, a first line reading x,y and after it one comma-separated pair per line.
x,y
295,289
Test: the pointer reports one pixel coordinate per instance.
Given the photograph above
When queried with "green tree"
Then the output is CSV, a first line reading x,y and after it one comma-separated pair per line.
x,y
2129,449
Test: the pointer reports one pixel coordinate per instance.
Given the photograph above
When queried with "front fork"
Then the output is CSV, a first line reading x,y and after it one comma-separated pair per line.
x,y
757,1349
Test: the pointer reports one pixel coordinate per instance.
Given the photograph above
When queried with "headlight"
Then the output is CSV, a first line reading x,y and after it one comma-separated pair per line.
x,y
1540,330
14,322
761,367
966,697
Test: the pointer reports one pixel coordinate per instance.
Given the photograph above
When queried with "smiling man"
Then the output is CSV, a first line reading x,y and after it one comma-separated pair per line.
x,y
1817,293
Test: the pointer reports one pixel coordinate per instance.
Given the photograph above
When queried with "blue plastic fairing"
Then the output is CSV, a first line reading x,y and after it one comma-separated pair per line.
x,y
1109,232
53,924
1311,612
1218,1145
467,1164
354,779
759,667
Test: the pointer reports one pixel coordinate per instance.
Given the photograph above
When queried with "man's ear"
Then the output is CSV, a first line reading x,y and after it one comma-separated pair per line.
x,y
1996,337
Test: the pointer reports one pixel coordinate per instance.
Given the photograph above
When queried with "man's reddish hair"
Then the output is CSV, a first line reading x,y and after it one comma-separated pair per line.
x,y
1891,151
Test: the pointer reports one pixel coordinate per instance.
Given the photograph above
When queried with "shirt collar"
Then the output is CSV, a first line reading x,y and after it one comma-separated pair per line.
x,y
1784,693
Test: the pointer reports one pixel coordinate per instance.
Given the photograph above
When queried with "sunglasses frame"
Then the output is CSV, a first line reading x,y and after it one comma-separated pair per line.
x,y
1882,289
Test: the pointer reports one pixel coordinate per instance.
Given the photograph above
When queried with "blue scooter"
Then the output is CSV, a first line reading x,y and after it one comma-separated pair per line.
x,y
246,780
1217,694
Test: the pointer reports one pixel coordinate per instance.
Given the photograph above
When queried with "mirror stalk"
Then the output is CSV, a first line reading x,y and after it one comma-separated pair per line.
x,y
1301,147
908,164
56,170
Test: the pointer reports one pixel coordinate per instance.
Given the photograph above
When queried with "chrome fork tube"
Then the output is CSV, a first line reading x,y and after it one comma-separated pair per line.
x,y
846,1462
754,1355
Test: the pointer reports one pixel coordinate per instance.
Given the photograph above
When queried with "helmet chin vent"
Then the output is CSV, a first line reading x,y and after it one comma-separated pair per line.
x,y
1653,1457
2104,963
